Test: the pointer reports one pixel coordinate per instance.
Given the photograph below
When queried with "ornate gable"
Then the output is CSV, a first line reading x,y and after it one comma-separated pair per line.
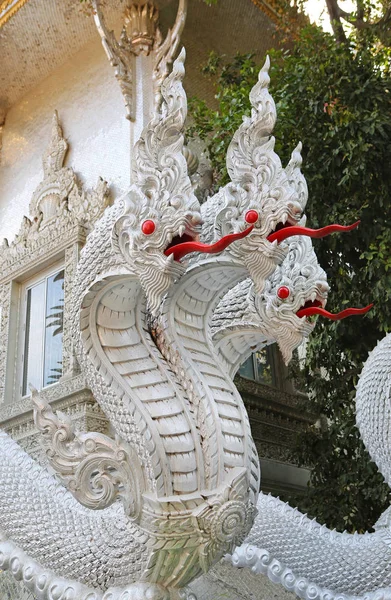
x,y
61,212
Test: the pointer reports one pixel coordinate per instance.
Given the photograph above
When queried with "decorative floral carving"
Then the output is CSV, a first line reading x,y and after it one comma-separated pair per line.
x,y
95,468
79,407
75,386
61,212
140,32
225,520
70,367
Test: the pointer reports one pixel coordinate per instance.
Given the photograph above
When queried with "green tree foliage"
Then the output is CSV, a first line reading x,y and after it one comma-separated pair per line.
x,y
367,19
336,99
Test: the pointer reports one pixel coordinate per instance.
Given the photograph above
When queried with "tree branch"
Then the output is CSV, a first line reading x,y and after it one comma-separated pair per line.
x,y
360,9
335,19
358,21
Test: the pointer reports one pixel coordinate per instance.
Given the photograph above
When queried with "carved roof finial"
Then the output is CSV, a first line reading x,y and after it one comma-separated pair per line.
x,y
140,36
141,32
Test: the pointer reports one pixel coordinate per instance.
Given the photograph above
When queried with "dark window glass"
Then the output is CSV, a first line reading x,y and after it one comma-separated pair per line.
x,y
247,368
263,366
259,366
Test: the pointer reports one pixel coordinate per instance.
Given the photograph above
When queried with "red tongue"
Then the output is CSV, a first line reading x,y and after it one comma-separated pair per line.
x,y
180,250
348,312
286,232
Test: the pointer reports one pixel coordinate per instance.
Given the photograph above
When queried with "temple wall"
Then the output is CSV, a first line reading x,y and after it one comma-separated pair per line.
x,y
91,111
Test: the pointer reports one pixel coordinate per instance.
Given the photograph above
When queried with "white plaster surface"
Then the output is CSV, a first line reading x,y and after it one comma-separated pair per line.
x,y
91,111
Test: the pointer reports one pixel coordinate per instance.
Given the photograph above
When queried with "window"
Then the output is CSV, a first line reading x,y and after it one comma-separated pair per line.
x,y
42,344
260,366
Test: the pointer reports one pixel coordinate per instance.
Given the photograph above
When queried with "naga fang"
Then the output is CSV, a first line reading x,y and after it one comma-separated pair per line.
x,y
317,310
287,232
180,250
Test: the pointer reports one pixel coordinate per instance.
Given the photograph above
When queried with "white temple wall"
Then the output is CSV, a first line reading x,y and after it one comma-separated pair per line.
x,y
92,114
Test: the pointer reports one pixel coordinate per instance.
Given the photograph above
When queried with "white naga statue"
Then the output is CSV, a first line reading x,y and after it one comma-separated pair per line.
x,y
169,299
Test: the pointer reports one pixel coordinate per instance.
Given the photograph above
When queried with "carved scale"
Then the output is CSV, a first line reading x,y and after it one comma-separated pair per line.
x,y
183,462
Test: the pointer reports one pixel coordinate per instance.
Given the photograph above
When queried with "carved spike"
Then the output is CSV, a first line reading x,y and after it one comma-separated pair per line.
x,y
251,142
295,176
296,159
166,51
173,93
262,83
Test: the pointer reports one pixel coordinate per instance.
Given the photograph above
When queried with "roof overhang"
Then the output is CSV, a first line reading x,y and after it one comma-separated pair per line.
x,y
38,36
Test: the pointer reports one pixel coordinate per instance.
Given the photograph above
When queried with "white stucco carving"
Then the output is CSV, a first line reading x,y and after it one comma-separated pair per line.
x,y
196,494
183,462
58,207
96,469
60,216
307,558
161,196
140,36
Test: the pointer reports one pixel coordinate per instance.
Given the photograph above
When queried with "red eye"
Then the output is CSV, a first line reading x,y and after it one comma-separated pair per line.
x,y
283,292
148,227
251,216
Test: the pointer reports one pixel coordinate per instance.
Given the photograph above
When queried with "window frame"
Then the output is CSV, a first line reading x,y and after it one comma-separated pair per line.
x,y
271,360
42,275
279,371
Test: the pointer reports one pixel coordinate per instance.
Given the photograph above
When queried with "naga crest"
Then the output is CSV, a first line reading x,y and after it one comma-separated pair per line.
x,y
160,209
255,168
261,193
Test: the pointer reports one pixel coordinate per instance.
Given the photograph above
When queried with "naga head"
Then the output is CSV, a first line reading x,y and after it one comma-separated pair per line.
x,y
145,232
296,292
160,209
267,196
161,218
298,283
262,196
